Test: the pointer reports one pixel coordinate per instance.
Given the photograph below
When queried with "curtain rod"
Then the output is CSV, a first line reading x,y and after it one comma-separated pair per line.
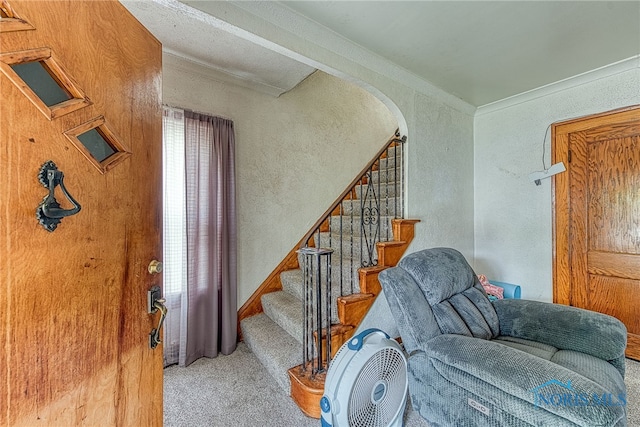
x,y
197,112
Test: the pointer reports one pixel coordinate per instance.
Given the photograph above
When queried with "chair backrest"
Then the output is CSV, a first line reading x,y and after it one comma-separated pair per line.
x,y
447,284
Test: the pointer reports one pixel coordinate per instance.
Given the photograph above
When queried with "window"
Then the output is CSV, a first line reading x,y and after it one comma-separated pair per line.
x,y
174,224
199,236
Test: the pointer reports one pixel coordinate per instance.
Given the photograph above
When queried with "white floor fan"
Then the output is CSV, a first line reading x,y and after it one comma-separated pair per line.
x,y
366,384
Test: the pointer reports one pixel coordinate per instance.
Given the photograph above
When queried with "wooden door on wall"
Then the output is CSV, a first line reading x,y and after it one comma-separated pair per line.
x,y
597,217
74,323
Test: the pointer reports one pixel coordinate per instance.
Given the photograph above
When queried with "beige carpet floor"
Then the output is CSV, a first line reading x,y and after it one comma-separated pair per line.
x,y
235,390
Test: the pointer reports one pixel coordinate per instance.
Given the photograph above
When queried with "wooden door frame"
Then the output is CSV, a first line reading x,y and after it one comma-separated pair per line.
x,y
560,194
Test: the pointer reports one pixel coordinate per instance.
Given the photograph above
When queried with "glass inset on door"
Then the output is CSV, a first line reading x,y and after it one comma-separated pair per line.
x,y
98,143
41,78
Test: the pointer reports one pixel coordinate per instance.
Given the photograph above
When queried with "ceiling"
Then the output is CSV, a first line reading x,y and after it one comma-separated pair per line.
x,y
202,39
479,51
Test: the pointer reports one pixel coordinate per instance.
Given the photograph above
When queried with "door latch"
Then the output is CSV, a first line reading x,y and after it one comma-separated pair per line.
x,y
155,303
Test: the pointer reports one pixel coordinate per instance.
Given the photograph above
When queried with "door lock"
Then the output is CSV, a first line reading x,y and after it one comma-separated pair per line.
x,y
155,267
155,303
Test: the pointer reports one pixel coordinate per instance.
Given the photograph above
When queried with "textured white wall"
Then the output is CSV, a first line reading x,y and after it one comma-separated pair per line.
x,y
294,154
513,217
440,178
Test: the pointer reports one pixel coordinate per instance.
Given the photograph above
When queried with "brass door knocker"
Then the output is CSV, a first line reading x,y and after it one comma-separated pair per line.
x,y
49,212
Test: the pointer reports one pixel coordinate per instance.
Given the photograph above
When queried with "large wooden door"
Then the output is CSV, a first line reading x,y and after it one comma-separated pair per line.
x,y
597,217
73,313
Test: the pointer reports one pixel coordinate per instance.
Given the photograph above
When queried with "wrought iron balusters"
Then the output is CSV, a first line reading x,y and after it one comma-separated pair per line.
x,y
364,213
316,309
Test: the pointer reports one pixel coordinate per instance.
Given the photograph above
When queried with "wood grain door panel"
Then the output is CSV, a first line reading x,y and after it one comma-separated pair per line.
x,y
625,266
613,203
603,294
597,258
73,320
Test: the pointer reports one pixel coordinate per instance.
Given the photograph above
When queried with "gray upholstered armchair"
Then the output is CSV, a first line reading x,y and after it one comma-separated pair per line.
x,y
511,362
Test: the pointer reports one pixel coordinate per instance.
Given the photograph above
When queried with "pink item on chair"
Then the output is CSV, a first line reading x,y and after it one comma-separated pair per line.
x,y
490,289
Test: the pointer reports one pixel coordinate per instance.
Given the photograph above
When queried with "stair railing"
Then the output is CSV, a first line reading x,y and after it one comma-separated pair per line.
x,y
316,310
351,228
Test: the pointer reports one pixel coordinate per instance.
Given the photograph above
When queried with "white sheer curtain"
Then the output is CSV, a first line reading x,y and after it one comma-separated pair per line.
x,y
174,228
199,236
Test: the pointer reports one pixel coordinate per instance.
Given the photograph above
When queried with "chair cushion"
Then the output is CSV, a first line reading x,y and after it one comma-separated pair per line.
x,y
440,273
468,313
409,307
598,370
511,380
564,327
459,303
534,348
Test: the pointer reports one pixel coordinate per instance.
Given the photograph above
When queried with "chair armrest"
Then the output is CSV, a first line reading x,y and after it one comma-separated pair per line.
x,y
564,327
513,379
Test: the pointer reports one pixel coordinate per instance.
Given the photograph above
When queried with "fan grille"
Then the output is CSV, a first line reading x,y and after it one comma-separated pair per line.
x,y
378,391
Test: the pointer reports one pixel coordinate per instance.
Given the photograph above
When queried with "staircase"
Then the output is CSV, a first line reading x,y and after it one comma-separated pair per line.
x,y
365,230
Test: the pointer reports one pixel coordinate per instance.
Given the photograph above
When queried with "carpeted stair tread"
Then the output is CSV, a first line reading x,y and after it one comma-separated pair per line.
x,y
394,151
273,346
385,176
293,282
343,223
349,274
351,247
334,237
286,311
389,162
390,207
383,190
349,252
293,285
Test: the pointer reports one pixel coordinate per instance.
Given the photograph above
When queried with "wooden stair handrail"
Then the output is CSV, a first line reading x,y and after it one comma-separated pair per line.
x,y
394,139
272,283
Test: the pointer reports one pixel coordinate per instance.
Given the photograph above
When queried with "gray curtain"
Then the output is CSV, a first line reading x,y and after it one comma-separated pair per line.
x,y
208,299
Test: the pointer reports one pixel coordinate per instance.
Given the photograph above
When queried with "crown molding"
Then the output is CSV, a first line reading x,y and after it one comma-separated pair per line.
x,y
561,85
